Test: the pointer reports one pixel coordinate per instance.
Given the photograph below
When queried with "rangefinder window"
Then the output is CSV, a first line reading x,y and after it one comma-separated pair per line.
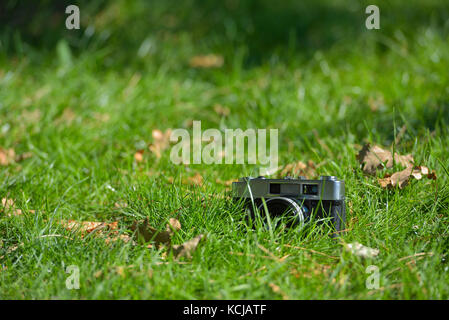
x,y
310,189
275,188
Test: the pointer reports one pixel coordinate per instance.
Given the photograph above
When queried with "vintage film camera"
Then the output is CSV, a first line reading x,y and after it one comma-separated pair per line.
x,y
295,200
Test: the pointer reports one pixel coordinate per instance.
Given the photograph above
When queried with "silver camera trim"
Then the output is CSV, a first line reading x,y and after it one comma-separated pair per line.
x,y
329,188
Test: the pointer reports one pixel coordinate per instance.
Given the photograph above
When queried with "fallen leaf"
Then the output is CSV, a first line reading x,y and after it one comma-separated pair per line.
x,y
361,250
138,156
68,116
187,249
196,180
312,271
98,273
146,233
385,182
402,178
278,290
120,271
9,207
23,156
85,227
101,117
227,183
161,141
222,111
374,157
7,156
206,61
122,237
299,169
31,116
120,205
375,103
107,230
420,171
173,225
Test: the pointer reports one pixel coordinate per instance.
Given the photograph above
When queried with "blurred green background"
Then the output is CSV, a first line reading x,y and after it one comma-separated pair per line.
x,y
83,102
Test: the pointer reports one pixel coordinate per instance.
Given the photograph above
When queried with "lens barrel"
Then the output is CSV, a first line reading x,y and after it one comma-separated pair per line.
x,y
285,208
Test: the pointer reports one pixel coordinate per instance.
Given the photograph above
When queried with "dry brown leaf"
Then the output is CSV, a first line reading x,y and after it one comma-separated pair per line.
x,y
375,104
196,180
222,111
374,157
278,290
420,171
173,225
7,156
9,207
85,227
206,61
227,183
311,272
361,250
385,182
120,271
138,156
101,117
161,141
299,169
23,156
68,116
402,178
123,237
107,230
170,180
187,249
146,233
31,116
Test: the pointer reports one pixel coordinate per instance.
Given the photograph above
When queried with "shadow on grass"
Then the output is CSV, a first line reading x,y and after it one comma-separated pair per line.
x,y
263,27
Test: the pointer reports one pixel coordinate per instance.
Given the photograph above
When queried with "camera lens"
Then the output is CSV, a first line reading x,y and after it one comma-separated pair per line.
x,y
288,210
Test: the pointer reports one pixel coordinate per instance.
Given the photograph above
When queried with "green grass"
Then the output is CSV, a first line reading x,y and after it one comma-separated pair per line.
x,y
311,70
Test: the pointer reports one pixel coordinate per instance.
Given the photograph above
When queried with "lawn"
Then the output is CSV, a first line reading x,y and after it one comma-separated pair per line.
x,y
82,111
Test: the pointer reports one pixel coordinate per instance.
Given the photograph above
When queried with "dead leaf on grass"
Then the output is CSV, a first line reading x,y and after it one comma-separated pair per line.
x,y
187,249
402,178
420,171
107,230
138,156
374,157
173,225
222,111
7,156
120,205
31,116
278,290
206,61
146,233
299,169
196,180
161,141
8,206
122,237
86,227
101,117
67,117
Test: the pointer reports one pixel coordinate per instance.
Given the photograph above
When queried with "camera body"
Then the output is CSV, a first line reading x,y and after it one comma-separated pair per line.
x,y
300,199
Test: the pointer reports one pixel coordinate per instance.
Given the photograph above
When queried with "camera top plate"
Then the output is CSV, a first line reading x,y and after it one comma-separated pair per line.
x,y
325,188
